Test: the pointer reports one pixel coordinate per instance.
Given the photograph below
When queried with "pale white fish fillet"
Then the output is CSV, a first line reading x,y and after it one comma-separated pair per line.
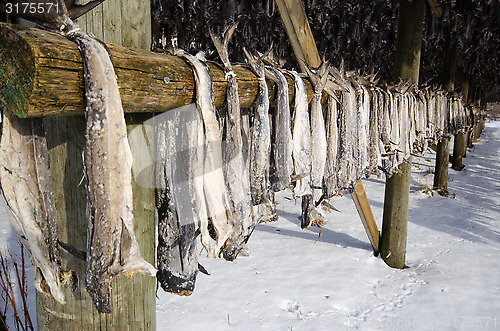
x,y
330,186
281,141
197,138
246,134
318,145
403,127
218,206
19,178
373,145
363,130
301,138
347,132
232,153
352,135
260,149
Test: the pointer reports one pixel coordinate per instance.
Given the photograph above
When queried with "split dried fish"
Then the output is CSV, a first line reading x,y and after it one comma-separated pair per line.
x,y
218,206
318,148
26,184
177,256
281,139
112,248
301,139
260,148
330,187
237,183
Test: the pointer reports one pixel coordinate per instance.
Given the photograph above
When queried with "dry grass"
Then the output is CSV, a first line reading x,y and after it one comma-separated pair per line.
x,y
22,319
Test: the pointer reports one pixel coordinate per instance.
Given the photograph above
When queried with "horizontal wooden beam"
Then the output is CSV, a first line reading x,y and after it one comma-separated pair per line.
x,y
41,74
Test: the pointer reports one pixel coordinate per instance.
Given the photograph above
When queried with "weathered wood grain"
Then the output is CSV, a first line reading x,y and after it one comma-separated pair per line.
x,y
149,82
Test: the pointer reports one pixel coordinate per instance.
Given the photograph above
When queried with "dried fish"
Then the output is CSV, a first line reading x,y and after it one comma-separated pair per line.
x,y
260,148
330,181
318,131
301,139
177,257
281,139
27,190
218,206
112,248
318,149
237,184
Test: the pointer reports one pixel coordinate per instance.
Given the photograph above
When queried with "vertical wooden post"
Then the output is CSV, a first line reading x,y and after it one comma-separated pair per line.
x,y
460,144
458,152
126,23
443,147
397,189
441,169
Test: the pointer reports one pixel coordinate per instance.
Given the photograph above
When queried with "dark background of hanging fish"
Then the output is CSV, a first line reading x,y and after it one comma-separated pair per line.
x,y
362,33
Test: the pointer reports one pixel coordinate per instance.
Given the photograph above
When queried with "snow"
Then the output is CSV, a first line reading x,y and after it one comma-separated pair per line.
x,y
290,281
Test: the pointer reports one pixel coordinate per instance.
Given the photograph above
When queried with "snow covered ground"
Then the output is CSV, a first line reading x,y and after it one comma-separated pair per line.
x,y
292,282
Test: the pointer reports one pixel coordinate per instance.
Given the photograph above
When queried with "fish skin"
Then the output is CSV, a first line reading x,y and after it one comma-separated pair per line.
x,y
216,197
112,248
27,190
234,167
362,141
318,130
330,180
311,214
347,157
177,256
260,149
197,157
301,136
281,139
374,160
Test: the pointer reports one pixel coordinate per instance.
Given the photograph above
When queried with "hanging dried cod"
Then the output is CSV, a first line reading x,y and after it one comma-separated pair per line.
x,y
310,213
177,256
281,139
260,149
112,248
27,189
214,189
237,181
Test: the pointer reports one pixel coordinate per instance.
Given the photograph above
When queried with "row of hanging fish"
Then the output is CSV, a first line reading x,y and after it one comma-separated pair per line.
x,y
237,160
242,157
25,177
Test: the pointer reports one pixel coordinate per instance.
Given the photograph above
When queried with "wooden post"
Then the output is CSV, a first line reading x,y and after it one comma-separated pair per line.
x,y
299,32
397,189
460,144
441,169
133,299
458,152
443,147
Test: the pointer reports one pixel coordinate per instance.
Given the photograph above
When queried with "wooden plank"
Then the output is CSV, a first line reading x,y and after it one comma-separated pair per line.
x,y
365,213
436,7
49,74
299,32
